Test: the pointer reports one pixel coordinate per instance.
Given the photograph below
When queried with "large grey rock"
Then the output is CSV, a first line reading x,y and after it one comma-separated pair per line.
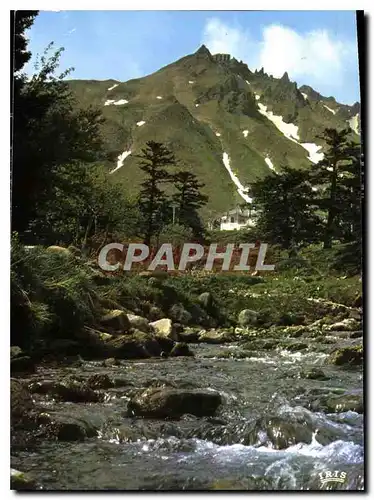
x,y
216,336
116,320
135,345
166,402
164,328
139,323
347,325
247,317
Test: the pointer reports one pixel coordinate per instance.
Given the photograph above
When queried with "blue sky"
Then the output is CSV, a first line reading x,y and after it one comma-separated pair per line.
x,y
318,48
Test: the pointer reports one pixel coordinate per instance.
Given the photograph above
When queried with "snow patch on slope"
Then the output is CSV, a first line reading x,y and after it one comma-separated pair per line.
x,y
108,102
121,159
353,123
247,82
196,105
191,81
245,133
218,134
139,124
289,130
304,95
257,97
314,155
159,97
241,189
329,109
269,163
113,86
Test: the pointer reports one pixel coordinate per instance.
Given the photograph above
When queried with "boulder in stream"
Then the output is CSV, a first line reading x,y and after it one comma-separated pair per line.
x,y
21,481
167,402
164,328
351,355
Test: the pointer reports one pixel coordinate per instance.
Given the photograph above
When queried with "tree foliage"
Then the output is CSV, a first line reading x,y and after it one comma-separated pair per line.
x,y
155,162
189,200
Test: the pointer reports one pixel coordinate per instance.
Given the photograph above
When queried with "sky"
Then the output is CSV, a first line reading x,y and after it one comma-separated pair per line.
x,y
316,48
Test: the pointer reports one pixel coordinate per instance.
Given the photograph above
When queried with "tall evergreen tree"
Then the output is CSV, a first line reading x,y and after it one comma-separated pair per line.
x,y
326,174
350,195
189,199
156,159
285,209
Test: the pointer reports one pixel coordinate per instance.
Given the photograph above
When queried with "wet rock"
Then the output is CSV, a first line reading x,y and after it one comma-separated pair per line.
x,y
21,481
75,391
339,403
111,362
63,427
247,317
294,346
173,403
313,374
216,336
356,335
92,344
281,432
348,324
139,323
21,402
294,331
352,355
179,314
258,344
100,381
23,364
181,349
116,320
189,334
135,345
164,328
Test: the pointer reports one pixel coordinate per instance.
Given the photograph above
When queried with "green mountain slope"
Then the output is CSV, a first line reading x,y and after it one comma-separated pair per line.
x,y
205,106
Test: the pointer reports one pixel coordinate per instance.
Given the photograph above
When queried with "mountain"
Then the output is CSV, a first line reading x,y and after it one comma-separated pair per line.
x,y
225,123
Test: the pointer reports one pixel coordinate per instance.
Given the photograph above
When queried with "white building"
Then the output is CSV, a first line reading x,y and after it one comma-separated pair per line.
x,y
237,218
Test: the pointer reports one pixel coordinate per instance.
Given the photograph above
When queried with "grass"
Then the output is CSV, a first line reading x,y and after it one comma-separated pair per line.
x,y
54,295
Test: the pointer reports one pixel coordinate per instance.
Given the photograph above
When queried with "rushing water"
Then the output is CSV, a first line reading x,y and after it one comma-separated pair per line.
x,y
231,451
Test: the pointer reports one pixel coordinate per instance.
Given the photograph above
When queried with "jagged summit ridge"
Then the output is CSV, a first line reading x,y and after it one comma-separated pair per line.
x,y
208,107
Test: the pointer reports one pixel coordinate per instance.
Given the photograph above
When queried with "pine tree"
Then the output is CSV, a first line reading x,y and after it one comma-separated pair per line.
x,y
155,161
189,199
326,174
350,195
285,209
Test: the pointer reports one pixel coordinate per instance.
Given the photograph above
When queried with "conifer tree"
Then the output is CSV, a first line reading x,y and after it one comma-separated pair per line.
x,y
284,207
189,199
326,174
156,159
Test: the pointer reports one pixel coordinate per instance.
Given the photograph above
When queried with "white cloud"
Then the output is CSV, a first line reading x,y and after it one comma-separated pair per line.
x,y
222,38
317,55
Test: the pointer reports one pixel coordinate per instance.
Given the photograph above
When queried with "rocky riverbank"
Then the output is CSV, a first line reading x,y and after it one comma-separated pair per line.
x,y
241,408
